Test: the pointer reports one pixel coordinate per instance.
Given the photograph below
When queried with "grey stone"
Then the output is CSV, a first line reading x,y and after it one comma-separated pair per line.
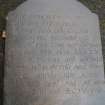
x,y
53,55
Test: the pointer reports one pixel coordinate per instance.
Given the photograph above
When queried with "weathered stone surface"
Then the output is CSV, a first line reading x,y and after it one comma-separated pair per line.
x,y
53,55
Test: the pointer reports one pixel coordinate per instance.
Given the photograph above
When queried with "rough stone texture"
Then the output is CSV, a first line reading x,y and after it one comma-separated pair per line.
x,y
53,55
5,7
98,7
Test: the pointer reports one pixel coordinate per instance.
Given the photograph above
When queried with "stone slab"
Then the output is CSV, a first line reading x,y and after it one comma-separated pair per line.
x,y
53,55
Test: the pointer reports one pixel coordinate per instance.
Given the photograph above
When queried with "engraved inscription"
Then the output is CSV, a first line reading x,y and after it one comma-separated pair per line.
x,y
60,52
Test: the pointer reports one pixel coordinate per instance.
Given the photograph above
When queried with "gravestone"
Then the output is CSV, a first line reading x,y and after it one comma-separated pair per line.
x,y
53,55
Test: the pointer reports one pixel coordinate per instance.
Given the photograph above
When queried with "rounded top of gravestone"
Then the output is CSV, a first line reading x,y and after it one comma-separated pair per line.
x,y
65,7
